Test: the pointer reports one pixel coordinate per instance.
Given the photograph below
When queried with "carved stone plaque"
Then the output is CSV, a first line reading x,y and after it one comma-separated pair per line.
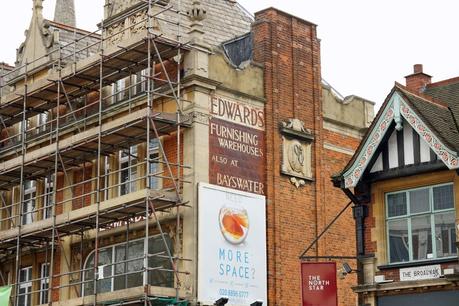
x,y
296,152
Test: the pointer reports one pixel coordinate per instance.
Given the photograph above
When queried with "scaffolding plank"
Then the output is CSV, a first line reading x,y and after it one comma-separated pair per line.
x,y
73,221
123,295
127,58
132,125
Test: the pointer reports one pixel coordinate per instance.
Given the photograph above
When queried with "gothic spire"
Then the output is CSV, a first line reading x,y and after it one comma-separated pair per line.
x,y
65,12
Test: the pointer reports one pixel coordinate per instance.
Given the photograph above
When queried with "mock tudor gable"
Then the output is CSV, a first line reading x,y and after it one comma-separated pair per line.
x,y
408,124
406,178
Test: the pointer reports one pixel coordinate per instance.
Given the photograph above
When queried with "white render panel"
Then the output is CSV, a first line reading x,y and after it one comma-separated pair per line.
x,y
425,151
378,165
408,143
393,150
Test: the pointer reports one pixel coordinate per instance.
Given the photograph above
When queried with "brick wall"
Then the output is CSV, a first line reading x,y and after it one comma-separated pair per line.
x,y
340,238
83,187
56,280
170,149
290,52
370,223
60,193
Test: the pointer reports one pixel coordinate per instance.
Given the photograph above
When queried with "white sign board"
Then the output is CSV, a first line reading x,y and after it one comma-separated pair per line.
x,y
420,273
232,246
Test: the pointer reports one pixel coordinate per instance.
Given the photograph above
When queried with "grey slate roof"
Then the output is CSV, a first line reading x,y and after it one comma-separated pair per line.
x,y
446,91
437,115
225,20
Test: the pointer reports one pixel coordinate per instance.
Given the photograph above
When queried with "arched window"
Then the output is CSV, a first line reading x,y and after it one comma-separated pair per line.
x,y
117,271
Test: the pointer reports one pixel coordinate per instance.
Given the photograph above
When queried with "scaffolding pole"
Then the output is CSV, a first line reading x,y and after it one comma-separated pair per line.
x,y
21,192
98,163
53,209
55,131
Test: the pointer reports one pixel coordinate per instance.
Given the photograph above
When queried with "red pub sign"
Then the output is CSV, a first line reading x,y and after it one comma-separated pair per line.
x,y
318,282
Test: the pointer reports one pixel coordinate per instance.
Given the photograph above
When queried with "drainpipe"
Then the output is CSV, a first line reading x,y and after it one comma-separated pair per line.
x,y
360,212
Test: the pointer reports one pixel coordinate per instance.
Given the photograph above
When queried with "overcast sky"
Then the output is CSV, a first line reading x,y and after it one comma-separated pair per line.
x,y
366,45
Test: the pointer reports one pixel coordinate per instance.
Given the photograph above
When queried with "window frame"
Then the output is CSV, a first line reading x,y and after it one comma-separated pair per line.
x,y
42,120
118,91
432,212
131,159
27,285
44,281
140,82
26,215
106,177
20,127
113,263
48,197
154,167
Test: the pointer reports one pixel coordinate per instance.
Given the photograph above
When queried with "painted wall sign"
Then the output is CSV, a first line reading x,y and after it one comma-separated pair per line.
x,y
237,112
318,281
420,273
236,145
232,246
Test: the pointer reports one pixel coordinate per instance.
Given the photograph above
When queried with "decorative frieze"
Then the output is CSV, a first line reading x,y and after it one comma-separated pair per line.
x,y
129,18
353,176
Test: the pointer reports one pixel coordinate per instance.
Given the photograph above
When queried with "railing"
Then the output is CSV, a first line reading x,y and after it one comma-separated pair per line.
x,y
74,118
80,281
85,194
77,119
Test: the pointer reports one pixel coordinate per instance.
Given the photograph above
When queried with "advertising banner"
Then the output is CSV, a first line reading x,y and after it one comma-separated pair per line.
x,y
5,293
236,145
318,282
232,246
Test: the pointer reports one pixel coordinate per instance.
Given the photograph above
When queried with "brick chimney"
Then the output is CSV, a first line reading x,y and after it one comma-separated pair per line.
x,y
418,80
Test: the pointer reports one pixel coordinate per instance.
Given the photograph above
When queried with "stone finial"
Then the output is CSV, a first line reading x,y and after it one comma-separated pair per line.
x,y
64,12
197,13
38,7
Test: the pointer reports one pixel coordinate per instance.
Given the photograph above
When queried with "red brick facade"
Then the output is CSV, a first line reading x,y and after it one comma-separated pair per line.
x,y
290,52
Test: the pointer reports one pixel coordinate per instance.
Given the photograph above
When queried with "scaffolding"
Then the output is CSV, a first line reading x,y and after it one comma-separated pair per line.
x,y
79,124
